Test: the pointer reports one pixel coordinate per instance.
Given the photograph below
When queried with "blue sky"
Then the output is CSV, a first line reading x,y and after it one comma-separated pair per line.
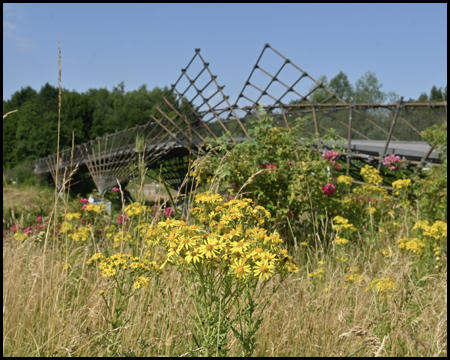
x,y
104,44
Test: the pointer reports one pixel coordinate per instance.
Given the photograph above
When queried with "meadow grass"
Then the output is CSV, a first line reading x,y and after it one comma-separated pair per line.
x,y
52,306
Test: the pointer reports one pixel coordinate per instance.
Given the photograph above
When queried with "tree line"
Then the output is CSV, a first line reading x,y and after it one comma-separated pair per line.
x,y
31,133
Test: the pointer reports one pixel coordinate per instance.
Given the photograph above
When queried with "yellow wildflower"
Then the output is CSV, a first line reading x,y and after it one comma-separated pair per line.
x,y
263,269
20,236
240,269
345,179
371,175
401,184
71,216
65,227
383,287
340,241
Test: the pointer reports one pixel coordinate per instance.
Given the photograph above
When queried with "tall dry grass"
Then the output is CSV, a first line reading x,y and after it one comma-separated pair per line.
x,y
52,307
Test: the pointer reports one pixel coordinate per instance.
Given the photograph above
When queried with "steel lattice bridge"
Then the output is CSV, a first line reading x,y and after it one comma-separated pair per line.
x,y
179,129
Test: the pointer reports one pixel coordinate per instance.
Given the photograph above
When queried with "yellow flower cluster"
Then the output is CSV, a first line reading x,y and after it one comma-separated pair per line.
x,y
20,236
386,252
383,287
96,208
415,245
345,179
437,231
401,184
223,235
371,175
71,216
82,234
352,278
142,281
110,266
340,223
66,227
110,230
340,241
135,209
319,272
370,191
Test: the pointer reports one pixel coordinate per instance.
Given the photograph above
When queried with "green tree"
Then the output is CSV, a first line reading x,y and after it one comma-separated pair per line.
x,y
436,93
368,89
341,86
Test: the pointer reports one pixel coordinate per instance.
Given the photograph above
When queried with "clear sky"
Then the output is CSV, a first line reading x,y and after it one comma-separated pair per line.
x,y
405,45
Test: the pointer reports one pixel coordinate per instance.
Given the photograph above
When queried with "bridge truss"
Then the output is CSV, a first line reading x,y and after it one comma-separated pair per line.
x,y
196,109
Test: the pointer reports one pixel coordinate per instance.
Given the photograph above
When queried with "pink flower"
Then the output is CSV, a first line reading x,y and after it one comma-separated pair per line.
x,y
84,201
268,166
328,189
331,156
391,161
15,228
169,211
28,230
84,207
116,189
337,166
39,219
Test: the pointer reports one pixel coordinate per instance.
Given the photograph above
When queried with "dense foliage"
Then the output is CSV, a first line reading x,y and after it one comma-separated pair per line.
x,y
302,186
31,132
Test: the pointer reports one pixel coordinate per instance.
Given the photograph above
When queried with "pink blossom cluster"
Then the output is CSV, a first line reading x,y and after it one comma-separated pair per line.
x,y
331,156
116,189
328,189
169,211
392,161
268,166
36,229
28,230
83,201
121,219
